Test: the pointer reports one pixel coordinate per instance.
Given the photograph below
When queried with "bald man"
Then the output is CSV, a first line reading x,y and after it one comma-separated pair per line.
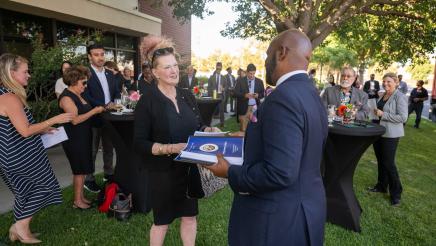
x,y
279,196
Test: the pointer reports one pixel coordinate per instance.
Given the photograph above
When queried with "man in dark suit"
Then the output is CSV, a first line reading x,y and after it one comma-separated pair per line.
x,y
102,89
371,87
188,81
146,80
218,83
248,90
279,196
231,82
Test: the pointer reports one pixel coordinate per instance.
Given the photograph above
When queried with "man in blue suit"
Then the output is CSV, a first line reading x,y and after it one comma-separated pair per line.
x,y
102,89
279,196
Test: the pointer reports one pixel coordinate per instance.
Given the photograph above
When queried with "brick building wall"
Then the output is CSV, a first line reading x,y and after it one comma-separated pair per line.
x,y
171,27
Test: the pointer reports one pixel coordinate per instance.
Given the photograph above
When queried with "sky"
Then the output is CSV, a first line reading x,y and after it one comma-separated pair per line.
x,y
206,35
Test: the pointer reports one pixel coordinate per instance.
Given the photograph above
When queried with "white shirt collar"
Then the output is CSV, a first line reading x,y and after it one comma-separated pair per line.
x,y
96,70
288,75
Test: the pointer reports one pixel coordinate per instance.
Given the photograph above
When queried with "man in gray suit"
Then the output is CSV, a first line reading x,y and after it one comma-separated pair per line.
x,y
218,83
344,93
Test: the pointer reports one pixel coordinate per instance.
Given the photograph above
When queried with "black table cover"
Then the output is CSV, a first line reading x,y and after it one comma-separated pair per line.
x,y
207,107
129,172
344,148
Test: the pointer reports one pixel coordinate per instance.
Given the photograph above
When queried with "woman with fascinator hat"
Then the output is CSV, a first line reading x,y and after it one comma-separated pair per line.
x,y
165,117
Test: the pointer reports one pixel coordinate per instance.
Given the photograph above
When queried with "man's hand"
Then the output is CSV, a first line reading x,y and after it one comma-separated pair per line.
x,y
221,168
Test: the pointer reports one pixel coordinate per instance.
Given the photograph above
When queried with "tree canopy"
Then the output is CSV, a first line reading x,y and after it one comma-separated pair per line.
x,y
263,19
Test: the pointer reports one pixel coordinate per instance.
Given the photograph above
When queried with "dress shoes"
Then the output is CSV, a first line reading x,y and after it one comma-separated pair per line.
x,y
395,202
92,186
14,236
376,189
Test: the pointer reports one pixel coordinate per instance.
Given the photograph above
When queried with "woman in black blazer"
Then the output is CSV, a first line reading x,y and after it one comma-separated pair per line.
x,y
165,117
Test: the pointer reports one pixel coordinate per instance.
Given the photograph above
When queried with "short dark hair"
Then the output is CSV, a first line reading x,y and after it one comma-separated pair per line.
x,y
93,47
251,67
76,73
229,68
219,64
312,71
65,62
421,82
145,66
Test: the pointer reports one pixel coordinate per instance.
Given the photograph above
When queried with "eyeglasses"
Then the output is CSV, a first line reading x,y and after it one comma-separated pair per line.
x,y
160,52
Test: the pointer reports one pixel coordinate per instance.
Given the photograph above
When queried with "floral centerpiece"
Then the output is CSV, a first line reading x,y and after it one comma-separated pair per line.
x,y
196,91
133,99
347,112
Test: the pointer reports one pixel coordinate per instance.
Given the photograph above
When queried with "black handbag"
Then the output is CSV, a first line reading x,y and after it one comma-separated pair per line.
x,y
121,207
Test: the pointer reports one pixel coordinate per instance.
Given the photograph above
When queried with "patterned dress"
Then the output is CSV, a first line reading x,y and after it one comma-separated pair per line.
x,y
25,169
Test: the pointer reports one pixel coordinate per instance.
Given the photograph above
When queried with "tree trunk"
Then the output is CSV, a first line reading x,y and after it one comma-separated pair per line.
x,y
320,74
361,72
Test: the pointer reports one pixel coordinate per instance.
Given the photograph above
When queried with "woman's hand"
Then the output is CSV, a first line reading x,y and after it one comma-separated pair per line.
x,y
61,118
212,129
177,148
50,130
378,112
98,109
237,134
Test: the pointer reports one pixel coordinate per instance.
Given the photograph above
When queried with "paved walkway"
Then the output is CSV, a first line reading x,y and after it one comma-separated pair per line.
x,y
62,170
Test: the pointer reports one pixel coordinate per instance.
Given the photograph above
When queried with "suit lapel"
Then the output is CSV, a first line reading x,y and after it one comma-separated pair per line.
x,y
109,84
94,75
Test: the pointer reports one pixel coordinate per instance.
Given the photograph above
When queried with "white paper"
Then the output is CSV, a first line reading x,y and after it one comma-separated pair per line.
x,y
210,134
372,105
57,136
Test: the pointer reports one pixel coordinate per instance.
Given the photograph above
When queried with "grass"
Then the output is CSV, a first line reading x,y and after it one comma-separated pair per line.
x,y
412,223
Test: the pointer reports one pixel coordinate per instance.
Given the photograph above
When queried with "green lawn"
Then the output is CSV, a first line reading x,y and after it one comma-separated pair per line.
x,y
412,223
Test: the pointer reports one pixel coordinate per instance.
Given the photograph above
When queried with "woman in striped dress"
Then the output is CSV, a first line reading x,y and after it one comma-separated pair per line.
x,y
24,165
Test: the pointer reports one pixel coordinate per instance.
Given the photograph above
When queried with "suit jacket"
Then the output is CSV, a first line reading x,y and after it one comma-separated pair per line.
x,y
367,86
94,91
279,196
331,96
241,88
394,115
229,82
212,84
184,82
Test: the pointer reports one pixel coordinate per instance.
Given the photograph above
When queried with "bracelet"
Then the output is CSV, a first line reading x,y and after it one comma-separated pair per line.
x,y
159,151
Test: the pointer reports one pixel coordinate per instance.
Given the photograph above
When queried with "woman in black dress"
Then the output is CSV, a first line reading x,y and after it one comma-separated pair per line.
x,y
416,101
78,148
165,117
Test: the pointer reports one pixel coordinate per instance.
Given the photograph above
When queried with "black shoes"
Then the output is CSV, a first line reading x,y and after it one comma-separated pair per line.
x,y
415,126
395,201
376,189
92,186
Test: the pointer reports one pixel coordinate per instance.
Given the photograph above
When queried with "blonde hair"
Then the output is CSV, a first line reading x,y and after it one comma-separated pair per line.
x,y
152,43
10,62
392,76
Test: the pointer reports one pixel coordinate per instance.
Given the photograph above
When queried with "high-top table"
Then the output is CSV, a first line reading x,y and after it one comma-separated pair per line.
x,y
207,107
130,173
344,147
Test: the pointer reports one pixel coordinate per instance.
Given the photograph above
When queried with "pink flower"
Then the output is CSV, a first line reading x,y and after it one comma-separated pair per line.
x,y
134,96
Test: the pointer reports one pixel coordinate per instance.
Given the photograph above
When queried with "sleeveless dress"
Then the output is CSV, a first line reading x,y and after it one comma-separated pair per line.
x,y
25,169
78,147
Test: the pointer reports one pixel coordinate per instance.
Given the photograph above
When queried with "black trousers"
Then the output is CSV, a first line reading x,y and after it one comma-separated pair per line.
x,y
417,107
385,149
101,135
